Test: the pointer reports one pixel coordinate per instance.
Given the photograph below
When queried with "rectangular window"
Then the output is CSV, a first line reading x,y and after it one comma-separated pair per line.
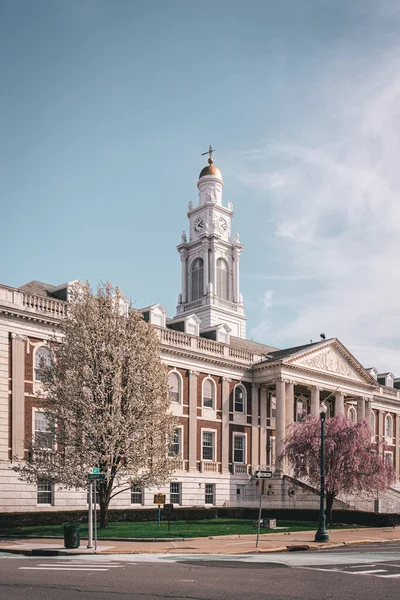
x,y
239,448
43,437
389,457
239,400
136,495
44,492
273,406
210,493
175,492
208,445
177,443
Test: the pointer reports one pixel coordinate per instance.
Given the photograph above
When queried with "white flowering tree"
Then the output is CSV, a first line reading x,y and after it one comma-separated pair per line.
x,y
106,401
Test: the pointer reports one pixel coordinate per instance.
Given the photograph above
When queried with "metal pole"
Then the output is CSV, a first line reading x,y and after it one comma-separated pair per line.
x,y
90,518
95,515
322,534
259,511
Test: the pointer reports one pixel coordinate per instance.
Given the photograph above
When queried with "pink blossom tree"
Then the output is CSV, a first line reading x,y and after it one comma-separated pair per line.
x,y
354,461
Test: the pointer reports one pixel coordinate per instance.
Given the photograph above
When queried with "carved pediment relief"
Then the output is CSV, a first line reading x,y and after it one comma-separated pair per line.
x,y
331,361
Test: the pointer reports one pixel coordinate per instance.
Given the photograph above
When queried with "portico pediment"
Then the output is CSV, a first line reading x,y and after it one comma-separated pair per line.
x,y
332,358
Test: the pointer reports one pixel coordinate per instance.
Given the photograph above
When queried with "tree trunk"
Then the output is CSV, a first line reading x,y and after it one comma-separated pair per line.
x,y
329,507
104,493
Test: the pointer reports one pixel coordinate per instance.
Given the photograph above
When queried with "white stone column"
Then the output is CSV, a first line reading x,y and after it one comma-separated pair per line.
x,y
225,425
237,286
18,396
255,459
397,449
206,278
184,277
263,426
339,403
289,408
193,420
360,409
368,411
315,401
280,424
381,425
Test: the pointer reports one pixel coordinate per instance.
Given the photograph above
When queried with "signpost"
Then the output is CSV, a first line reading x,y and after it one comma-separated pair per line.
x,y
93,477
160,500
260,476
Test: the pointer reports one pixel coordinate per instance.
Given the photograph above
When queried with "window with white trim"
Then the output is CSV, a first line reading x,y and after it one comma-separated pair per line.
x,y
273,406
240,399
209,493
389,457
176,448
301,409
44,492
136,494
222,279
239,448
175,489
43,437
197,279
388,426
174,384
208,393
208,445
352,415
42,359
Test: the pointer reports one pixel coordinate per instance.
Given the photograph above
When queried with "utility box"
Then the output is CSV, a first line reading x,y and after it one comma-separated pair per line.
x,y
269,523
72,535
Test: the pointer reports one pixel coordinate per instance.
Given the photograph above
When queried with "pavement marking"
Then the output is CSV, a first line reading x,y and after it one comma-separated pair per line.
x,y
60,569
369,572
397,575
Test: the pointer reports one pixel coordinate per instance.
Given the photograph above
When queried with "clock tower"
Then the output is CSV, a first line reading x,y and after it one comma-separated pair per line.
x,y
210,259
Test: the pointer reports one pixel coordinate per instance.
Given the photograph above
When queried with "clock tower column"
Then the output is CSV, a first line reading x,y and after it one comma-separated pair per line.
x,y
210,259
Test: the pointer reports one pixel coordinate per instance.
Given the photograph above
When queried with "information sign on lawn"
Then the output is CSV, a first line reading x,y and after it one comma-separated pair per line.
x,y
159,499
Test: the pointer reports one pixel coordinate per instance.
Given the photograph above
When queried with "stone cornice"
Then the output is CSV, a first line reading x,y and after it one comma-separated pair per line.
x,y
29,316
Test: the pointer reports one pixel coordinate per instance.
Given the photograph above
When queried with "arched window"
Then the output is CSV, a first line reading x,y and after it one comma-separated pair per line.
x,y
174,384
42,359
197,279
388,426
208,393
352,415
301,409
240,399
373,423
222,279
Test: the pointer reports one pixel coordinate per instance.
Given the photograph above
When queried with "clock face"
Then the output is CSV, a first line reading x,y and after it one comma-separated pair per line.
x,y
198,225
222,225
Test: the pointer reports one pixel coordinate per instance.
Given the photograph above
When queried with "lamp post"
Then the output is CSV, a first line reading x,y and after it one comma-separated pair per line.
x,y
322,535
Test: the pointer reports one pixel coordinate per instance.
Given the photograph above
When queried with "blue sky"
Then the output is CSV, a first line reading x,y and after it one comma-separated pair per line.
x,y
106,107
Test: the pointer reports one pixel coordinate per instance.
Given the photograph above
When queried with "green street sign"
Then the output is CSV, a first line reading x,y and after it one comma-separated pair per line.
x,y
94,470
96,476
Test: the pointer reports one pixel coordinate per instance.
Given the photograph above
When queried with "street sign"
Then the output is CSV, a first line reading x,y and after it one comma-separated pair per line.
x,y
263,474
159,499
94,470
96,476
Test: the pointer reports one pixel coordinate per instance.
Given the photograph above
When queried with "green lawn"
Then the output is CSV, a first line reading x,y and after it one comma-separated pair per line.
x,y
150,529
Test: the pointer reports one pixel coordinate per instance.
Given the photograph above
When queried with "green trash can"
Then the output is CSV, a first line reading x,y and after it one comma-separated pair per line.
x,y
72,536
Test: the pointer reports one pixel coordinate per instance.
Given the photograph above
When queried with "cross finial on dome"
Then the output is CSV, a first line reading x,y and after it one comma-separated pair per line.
x,y
210,151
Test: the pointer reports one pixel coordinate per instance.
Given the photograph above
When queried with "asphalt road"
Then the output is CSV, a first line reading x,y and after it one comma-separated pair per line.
x,y
366,573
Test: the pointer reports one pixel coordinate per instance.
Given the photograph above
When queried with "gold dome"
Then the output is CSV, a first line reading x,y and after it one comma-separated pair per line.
x,y
211,170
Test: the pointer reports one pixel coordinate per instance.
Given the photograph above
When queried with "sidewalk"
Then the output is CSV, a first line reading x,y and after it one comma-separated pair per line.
x,y
235,544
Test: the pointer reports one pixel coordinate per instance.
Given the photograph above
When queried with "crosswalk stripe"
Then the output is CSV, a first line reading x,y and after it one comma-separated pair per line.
x,y
397,575
60,569
369,572
94,565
